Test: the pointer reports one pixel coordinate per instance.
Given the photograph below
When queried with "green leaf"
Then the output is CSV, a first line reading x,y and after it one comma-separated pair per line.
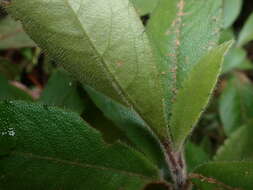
x,y
226,35
182,31
144,7
12,35
109,51
195,93
57,150
195,156
132,126
225,175
238,146
246,34
236,104
62,91
235,59
10,92
232,9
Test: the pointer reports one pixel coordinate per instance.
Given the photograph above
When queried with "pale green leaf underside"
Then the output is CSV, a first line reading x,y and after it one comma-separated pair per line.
x,y
195,93
238,146
225,175
182,31
104,45
12,34
232,9
47,148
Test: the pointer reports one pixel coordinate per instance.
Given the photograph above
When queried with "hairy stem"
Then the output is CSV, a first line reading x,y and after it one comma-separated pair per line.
x,y
177,166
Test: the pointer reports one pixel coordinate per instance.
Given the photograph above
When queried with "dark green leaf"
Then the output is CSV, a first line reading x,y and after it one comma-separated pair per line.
x,y
225,175
57,150
10,92
61,90
195,155
108,51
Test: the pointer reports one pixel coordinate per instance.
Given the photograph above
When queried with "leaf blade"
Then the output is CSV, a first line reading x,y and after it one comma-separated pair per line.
x,y
246,33
101,50
186,21
63,146
189,105
12,35
238,146
225,174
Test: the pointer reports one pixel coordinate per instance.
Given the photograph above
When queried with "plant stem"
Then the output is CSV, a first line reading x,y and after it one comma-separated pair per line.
x,y
177,167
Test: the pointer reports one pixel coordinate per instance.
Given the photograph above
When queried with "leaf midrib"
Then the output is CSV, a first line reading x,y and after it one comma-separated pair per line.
x,y
116,84
81,165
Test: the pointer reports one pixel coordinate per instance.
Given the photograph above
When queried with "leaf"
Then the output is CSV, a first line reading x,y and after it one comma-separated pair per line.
x,y
226,35
133,127
236,104
57,150
246,34
12,35
232,9
225,175
108,51
144,7
238,146
195,93
9,92
182,31
61,90
234,59
195,156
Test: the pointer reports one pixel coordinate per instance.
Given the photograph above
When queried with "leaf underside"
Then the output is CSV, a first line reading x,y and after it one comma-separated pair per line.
x,y
104,45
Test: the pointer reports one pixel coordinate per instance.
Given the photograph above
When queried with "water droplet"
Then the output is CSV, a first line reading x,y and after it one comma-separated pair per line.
x,y
7,140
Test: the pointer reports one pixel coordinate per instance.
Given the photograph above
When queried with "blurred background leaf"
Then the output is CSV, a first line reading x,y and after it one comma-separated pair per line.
x,y
12,35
